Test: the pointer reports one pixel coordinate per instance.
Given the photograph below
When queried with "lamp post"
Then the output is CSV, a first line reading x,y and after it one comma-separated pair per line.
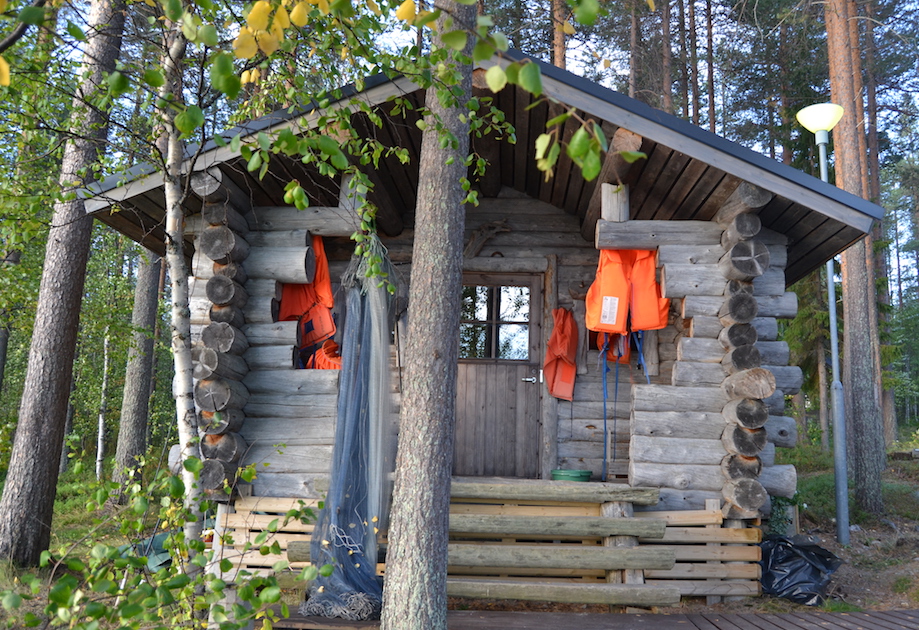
x,y
820,119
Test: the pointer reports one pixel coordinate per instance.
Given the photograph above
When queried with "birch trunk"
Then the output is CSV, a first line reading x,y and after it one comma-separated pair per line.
x,y
103,408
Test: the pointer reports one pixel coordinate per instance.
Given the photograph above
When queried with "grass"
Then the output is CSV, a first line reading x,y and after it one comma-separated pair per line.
x,y
840,606
902,584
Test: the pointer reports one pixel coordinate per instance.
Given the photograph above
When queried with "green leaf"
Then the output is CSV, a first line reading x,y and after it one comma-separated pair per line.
x,y
130,610
339,160
193,464
177,581
76,32
173,10
270,595
207,35
11,601
226,564
592,163
191,119
500,40
531,78
496,78
235,141
176,487
578,144
542,143
632,156
255,162
118,83
154,78
559,119
513,73
601,137
326,570
140,505
264,142
586,11
455,39
32,15
483,50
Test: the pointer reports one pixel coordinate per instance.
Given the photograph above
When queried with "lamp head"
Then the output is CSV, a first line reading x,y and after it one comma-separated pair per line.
x,y
820,117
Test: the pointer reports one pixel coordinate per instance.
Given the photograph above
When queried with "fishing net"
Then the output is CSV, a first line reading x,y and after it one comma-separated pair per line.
x,y
357,503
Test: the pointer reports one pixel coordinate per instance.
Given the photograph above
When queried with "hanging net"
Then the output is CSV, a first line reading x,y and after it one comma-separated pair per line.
x,y
357,504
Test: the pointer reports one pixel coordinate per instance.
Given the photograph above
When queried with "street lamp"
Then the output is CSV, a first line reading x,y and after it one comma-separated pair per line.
x,y
820,119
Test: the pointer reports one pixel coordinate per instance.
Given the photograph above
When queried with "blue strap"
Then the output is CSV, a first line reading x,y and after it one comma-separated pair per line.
x,y
639,337
604,369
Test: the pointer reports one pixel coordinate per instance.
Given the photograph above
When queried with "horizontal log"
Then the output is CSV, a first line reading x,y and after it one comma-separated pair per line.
x,y
741,358
788,378
611,594
677,476
677,424
295,265
274,406
652,234
272,334
293,458
699,588
750,413
226,214
767,455
774,352
209,363
290,382
261,310
682,280
692,374
705,327
223,245
780,481
554,557
767,328
670,398
512,525
218,394
738,335
772,282
673,500
778,253
742,227
699,350
746,198
301,485
199,311
782,431
752,383
776,403
265,287
216,422
704,305
227,447
277,430
701,571
747,494
689,254
738,440
663,450
324,221
271,357
571,491
723,535
281,238
784,306
740,308
223,337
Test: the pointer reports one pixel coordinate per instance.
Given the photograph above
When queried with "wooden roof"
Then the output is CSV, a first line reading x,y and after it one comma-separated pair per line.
x,y
687,175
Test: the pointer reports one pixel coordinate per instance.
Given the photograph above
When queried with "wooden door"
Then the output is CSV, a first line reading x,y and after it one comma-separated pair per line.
x,y
498,383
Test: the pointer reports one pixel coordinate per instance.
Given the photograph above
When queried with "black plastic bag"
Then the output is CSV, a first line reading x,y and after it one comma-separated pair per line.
x,y
797,571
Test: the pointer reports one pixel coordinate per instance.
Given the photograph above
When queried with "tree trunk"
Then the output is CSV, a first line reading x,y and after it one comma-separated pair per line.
x,y
860,380
103,407
710,49
180,324
28,498
559,14
135,403
634,50
693,62
415,595
666,82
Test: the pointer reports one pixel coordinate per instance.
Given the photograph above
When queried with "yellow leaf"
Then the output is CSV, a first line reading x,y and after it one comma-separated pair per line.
x,y
569,30
406,11
244,77
277,31
651,5
374,7
281,19
245,45
606,64
3,4
299,15
258,16
267,42
4,71
323,6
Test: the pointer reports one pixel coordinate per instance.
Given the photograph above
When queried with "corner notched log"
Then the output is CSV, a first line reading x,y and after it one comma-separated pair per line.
x,y
741,358
228,315
224,291
739,467
747,494
224,213
742,228
222,337
216,422
209,362
223,245
741,308
738,335
745,261
228,447
740,441
752,383
745,198
750,413
218,394
217,474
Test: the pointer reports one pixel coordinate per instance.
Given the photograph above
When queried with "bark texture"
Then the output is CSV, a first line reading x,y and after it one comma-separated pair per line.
x,y
135,403
28,497
860,379
415,594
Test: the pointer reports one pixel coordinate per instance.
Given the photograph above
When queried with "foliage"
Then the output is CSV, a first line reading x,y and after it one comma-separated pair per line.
x,y
100,577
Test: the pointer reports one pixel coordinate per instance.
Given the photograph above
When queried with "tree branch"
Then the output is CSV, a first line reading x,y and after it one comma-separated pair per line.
x,y
19,31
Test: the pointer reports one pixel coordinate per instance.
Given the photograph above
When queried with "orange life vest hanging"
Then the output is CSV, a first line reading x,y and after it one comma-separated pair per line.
x,y
559,366
625,296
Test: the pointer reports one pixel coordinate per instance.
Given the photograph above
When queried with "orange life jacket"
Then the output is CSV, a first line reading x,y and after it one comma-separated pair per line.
x,y
559,366
625,296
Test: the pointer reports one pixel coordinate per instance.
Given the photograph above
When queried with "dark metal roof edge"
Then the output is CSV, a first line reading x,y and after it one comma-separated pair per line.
x,y
686,128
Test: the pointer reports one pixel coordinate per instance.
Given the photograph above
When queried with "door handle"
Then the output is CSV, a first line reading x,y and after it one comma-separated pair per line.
x,y
531,379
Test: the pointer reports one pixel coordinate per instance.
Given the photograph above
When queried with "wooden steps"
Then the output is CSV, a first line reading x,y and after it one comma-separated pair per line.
x,y
613,594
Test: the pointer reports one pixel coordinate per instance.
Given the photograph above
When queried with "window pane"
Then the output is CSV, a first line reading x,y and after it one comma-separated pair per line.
x,y
515,304
475,303
513,341
473,341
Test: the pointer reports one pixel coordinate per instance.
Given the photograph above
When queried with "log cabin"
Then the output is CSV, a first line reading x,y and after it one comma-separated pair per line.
x,y
685,439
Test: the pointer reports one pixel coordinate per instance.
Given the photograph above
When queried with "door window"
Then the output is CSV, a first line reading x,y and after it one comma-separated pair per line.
x,y
496,321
